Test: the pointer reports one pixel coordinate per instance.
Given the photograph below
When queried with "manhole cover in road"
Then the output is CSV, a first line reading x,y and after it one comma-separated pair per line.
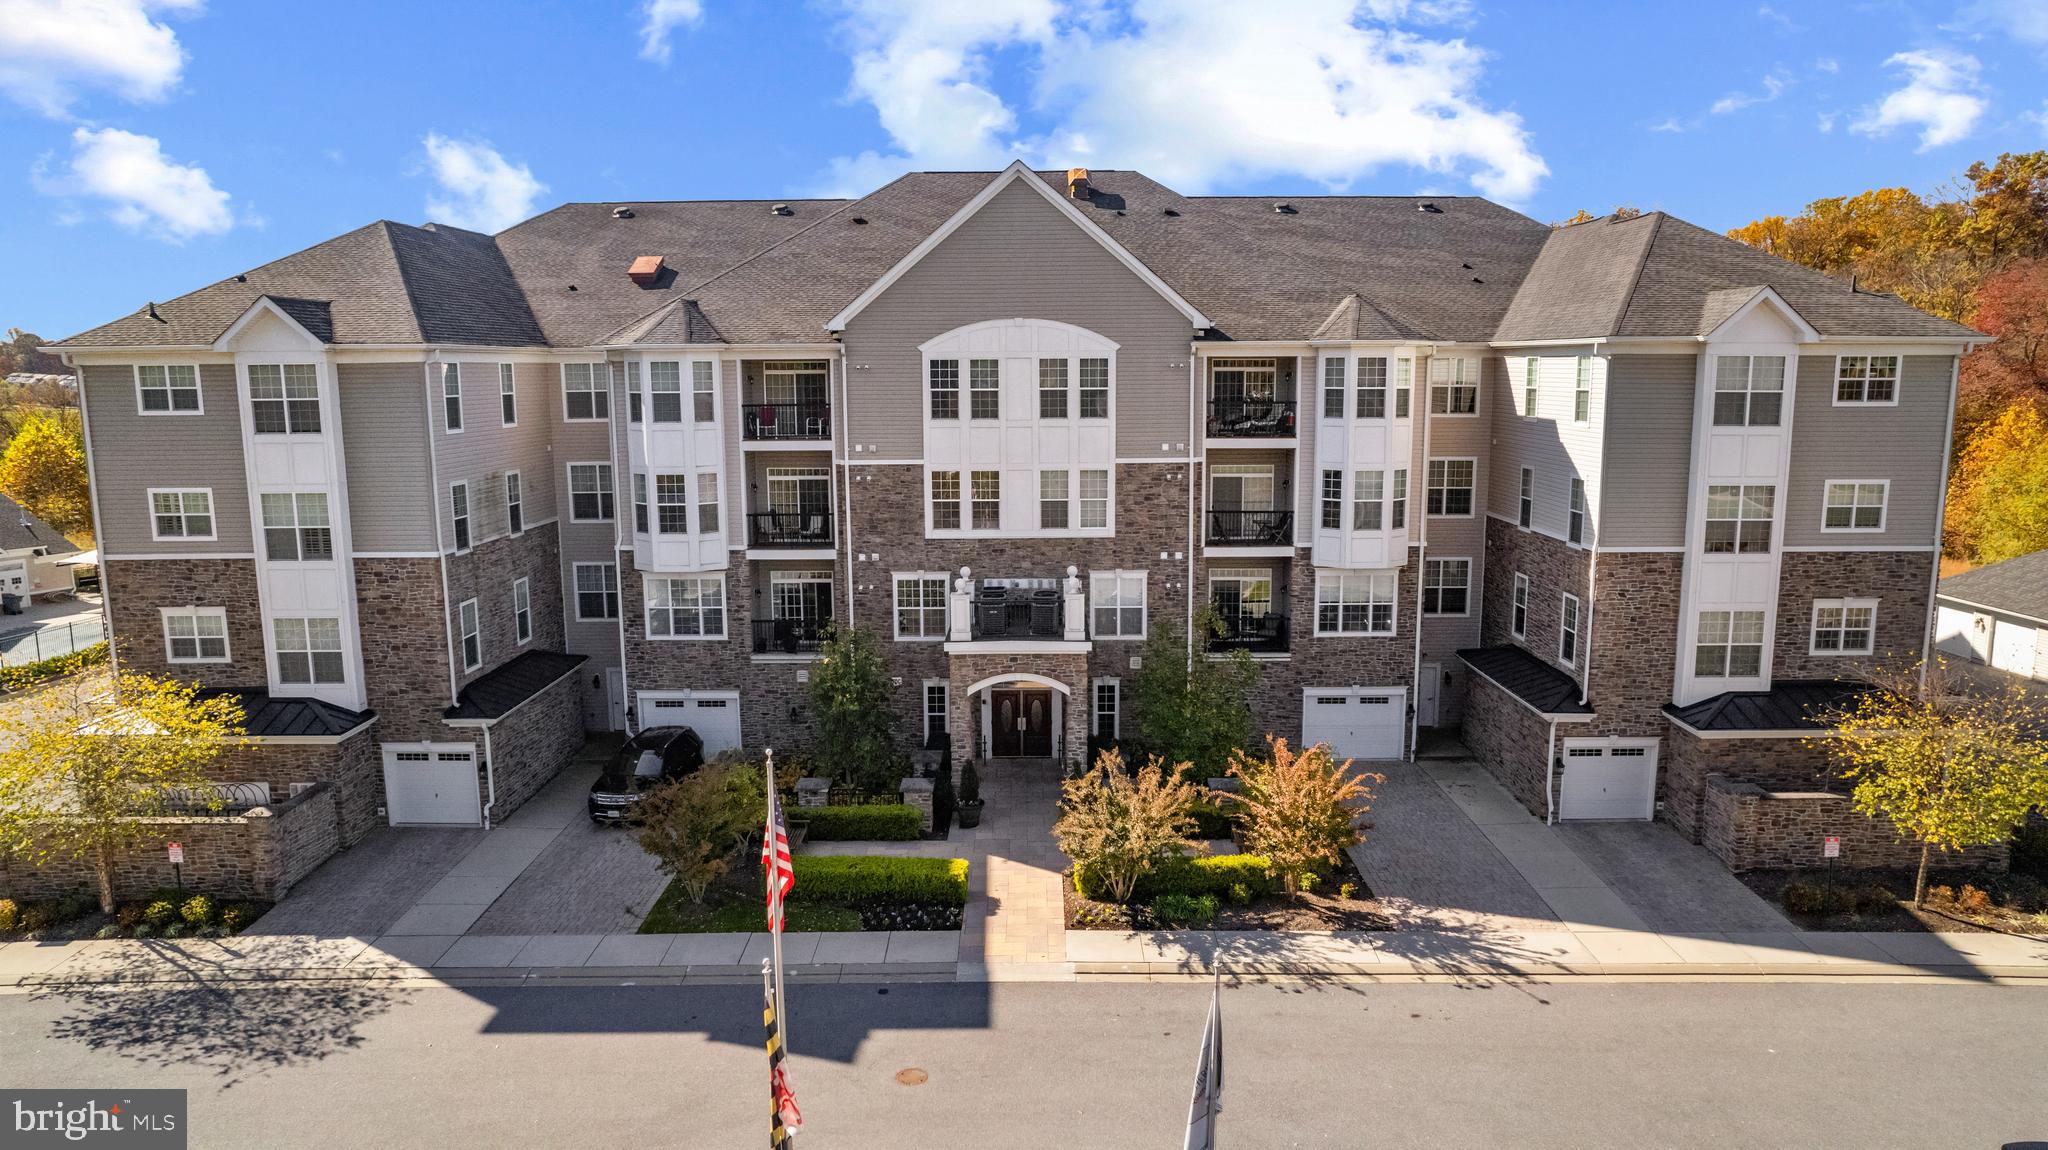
x,y
911,1076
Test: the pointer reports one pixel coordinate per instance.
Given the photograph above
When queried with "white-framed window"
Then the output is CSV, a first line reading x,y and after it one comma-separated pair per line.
x,y
1568,629
522,611
1844,627
1525,507
1243,596
707,503
920,605
703,392
1235,384
1108,710
1404,384
1356,602
1530,369
308,650
1453,386
1094,372
634,413
686,608
1116,604
1749,390
801,595
1333,499
167,389
1333,388
984,389
935,716
1368,500
597,591
1052,500
944,377
515,504
985,500
1052,389
1731,645
451,395
181,513
1450,487
458,506
1397,513
1518,623
284,399
1739,518
590,492
508,397
586,391
1869,380
1094,499
195,634
1575,521
672,504
1446,586
1855,505
665,391
945,501
1372,387
295,526
640,502
1582,390
1237,487
472,635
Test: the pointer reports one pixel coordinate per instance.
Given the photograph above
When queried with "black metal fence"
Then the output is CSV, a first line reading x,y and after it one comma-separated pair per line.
x,y
789,529
787,421
1251,528
789,636
1244,631
1251,418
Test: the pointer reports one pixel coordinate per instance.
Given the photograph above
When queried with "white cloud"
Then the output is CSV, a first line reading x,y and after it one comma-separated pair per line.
x,y
2024,19
1942,96
1195,94
1825,121
50,49
145,189
1668,124
659,18
1827,65
1771,15
479,189
1774,86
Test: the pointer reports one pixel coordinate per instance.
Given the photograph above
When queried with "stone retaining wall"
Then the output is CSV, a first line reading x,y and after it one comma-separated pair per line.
x,y
533,743
1509,740
1749,828
351,765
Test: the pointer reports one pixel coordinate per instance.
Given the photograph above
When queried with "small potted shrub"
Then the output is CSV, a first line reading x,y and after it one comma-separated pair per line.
x,y
967,808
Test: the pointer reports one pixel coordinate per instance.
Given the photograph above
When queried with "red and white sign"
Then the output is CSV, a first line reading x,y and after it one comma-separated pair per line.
x,y
177,851
1831,847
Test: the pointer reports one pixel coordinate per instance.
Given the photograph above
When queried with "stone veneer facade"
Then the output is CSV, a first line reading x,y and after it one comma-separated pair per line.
x,y
530,744
351,767
1511,741
1748,827
405,649
486,574
1898,580
964,718
1773,764
137,588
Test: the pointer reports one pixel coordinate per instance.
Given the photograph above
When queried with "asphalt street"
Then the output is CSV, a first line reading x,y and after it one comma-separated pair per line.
x,y
1582,1064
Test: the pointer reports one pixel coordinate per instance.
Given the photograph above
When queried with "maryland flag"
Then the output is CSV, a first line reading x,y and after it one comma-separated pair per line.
x,y
783,1119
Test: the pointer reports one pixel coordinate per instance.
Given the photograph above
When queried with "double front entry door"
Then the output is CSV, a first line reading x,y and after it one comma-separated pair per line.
x,y
1020,723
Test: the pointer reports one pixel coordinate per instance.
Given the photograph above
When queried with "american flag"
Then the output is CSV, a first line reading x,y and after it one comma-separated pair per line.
x,y
775,860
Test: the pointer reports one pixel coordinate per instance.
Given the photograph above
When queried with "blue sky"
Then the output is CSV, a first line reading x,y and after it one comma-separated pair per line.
x,y
156,145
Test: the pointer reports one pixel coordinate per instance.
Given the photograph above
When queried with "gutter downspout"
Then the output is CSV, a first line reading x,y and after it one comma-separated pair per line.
x,y
92,479
1195,415
1418,402
1550,776
1948,443
844,453
490,778
1586,526
619,533
440,545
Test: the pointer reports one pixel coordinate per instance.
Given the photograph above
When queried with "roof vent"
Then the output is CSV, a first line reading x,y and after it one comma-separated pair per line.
x,y
781,210
242,278
572,287
622,213
1283,209
1168,212
1432,209
1077,183
152,313
860,219
645,270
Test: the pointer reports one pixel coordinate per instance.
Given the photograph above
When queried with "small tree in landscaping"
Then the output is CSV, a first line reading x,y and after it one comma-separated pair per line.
x,y
850,693
1952,768
82,764
1192,711
1118,825
690,824
1300,808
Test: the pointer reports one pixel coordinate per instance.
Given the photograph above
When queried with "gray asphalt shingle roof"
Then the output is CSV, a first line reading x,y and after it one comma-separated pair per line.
x,y
20,530
2017,586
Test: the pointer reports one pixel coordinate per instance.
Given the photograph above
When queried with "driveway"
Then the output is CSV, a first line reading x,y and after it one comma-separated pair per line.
x,y
360,892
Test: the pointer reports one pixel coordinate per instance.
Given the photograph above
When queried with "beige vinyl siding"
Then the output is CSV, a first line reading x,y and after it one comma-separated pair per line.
x,y
384,446
1553,445
132,453
1648,452
1307,477
1280,461
736,492
1453,437
484,450
587,442
1018,257
1901,443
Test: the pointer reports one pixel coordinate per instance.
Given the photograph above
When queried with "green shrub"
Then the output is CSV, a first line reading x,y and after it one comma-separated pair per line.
x,y
2030,849
143,930
70,908
1213,820
175,930
2025,893
1205,874
1348,891
10,914
197,910
34,917
1873,898
110,930
29,674
970,784
1240,894
236,916
1804,896
1184,909
886,821
850,878
160,913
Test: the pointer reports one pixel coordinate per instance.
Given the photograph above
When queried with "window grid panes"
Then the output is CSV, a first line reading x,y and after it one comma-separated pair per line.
x,y
196,635
597,591
1094,499
308,650
672,504
1355,602
987,500
451,394
1453,386
921,607
522,610
1731,645
1404,377
945,388
295,526
1368,493
508,396
984,389
707,503
1844,627
1397,516
168,387
1450,486
703,392
284,399
1333,500
458,506
1116,601
1867,379
1854,507
590,492
1052,389
472,636
1739,519
1749,390
1575,527
1372,388
1568,630
1333,389
1530,367
515,504
182,514
686,607
1095,389
586,390
665,391
1052,500
1445,586
945,500
1526,508
1582,391
1519,623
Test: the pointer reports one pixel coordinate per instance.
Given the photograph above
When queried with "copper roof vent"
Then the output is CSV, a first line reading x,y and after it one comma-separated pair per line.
x,y
645,270
1077,183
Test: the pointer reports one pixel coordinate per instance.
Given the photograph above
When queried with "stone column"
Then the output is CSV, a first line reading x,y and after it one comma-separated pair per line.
x,y
1077,608
813,792
918,793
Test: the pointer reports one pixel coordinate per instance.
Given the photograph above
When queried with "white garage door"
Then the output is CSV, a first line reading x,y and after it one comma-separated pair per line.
x,y
1361,724
714,715
431,784
1608,779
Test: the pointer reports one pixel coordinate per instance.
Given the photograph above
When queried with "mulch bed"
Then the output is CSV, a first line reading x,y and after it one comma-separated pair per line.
x,y
1321,910
2012,908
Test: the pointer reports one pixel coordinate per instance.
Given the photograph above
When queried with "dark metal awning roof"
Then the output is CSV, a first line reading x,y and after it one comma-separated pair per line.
x,y
267,716
1795,706
1542,688
493,696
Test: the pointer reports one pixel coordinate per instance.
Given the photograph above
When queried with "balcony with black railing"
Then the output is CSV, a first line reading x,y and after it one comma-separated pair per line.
x,y
1019,613
802,636
789,529
1250,529
1231,418
768,422
1246,629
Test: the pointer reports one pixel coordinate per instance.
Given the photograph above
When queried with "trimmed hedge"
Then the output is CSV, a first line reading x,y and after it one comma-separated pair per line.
x,y
852,878
56,666
1204,874
883,821
1214,820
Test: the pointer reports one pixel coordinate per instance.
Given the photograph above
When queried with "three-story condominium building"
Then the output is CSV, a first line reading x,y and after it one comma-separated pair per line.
x,y
1624,500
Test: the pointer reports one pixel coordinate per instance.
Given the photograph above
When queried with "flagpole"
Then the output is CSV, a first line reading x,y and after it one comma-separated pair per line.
x,y
768,873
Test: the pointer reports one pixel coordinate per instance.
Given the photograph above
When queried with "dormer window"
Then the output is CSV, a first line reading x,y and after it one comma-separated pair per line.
x,y
285,399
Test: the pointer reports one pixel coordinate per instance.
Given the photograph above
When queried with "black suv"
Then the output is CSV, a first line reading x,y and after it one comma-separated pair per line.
x,y
653,756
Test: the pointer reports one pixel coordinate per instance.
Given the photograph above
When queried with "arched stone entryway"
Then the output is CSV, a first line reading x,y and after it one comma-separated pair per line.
x,y
1018,706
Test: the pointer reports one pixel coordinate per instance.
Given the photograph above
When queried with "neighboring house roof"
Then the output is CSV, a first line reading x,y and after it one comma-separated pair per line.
x,y
492,696
1545,689
1425,268
266,716
1792,705
20,531
2015,587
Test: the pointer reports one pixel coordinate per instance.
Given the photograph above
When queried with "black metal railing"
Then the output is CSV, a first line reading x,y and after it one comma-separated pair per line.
x,y
787,421
789,529
789,636
1251,528
1245,631
1251,418
1006,613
